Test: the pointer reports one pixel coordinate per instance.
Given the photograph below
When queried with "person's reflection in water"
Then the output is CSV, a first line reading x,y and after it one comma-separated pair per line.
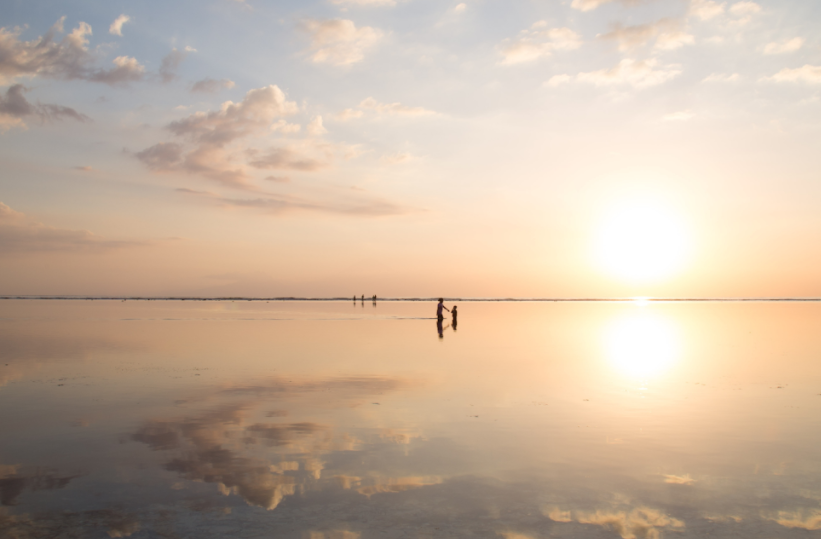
x,y
454,313
441,329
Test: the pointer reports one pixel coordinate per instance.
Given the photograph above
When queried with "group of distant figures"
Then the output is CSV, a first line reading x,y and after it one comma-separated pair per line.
x,y
440,318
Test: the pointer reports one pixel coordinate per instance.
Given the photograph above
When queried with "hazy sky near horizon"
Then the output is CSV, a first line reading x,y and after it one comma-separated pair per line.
x,y
410,147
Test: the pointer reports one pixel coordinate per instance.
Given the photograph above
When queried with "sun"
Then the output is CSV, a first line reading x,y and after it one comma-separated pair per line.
x,y
642,241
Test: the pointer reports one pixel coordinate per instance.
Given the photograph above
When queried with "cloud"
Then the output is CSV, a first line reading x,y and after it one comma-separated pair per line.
x,y
127,69
807,73
642,522
279,205
745,8
722,77
460,8
116,27
636,73
705,9
364,2
235,120
211,133
536,43
85,168
172,60
398,158
349,114
809,522
667,33
14,107
681,116
315,127
19,234
286,159
68,59
393,109
338,41
14,482
211,86
785,46
381,484
679,479
558,80
589,5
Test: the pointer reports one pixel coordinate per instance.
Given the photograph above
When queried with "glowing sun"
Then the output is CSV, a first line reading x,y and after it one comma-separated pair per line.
x,y
642,241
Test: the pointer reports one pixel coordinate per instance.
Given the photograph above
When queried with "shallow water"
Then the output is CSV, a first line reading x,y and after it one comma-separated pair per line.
x,y
340,420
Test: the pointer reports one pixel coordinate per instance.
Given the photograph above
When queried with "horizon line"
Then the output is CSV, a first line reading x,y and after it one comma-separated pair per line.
x,y
69,297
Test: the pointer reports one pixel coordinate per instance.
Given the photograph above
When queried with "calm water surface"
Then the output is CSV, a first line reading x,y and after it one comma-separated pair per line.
x,y
342,421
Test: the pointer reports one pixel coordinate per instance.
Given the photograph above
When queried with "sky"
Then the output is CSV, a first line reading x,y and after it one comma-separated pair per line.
x,y
485,148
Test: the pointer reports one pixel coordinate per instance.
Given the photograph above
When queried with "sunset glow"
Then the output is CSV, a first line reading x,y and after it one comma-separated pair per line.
x,y
642,242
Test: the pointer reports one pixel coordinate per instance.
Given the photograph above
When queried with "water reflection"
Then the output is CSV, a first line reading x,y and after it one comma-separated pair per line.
x,y
241,421
642,344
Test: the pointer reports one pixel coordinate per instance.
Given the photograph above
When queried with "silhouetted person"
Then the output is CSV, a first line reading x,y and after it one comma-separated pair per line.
x,y
374,298
354,300
454,313
439,308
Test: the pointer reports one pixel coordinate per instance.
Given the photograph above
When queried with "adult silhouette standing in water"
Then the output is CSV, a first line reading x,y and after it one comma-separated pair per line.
x,y
439,308
454,314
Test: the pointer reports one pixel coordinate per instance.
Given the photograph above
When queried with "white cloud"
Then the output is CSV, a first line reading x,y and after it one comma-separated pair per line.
x,y
315,127
211,133
211,86
536,43
68,59
783,47
681,116
706,9
116,27
460,8
807,73
393,109
339,41
722,77
667,33
636,73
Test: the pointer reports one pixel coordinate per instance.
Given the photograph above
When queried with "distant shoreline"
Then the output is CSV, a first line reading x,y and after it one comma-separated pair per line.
x,y
369,299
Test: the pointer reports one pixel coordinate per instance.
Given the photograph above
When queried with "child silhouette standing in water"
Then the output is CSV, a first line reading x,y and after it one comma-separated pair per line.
x,y
454,313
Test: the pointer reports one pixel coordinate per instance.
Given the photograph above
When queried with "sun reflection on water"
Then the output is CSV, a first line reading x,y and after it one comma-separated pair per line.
x,y
642,345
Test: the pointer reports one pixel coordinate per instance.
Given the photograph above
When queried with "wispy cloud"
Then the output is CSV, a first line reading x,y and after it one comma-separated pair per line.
x,y
636,73
338,41
169,65
116,27
19,234
538,42
784,47
809,74
393,109
211,86
706,9
722,77
668,34
280,205
800,520
15,108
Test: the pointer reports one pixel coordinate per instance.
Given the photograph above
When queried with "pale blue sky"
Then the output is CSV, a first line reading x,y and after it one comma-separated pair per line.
x,y
410,146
